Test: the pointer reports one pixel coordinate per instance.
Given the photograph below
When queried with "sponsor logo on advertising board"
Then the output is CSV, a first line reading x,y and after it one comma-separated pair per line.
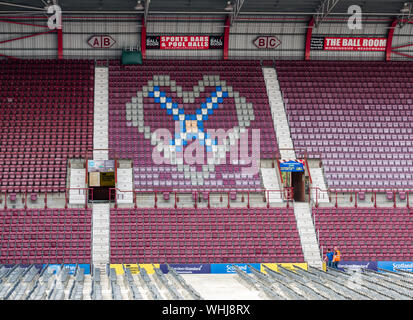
x,y
187,268
348,44
192,42
267,42
101,41
72,267
396,265
229,268
355,265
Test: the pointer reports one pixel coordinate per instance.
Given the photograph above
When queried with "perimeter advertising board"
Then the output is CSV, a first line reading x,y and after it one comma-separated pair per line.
x,y
348,44
193,42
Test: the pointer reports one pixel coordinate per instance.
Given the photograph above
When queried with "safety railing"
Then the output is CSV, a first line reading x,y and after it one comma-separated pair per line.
x,y
351,196
10,195
198,195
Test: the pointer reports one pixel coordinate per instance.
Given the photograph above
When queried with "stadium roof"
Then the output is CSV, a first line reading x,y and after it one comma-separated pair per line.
x,y
272,7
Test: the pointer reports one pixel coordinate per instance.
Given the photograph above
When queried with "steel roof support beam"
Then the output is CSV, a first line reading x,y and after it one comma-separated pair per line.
x,y
308,39
324,10
237,9
226,36
145,15
390,34
143,38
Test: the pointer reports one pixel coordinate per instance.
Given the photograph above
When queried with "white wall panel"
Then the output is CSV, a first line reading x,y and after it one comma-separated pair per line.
x,y
76,34
291,33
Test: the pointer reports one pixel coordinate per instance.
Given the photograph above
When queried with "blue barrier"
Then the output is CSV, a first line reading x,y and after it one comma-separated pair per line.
x,y
72,267
354,265
187,268
393,265
228,267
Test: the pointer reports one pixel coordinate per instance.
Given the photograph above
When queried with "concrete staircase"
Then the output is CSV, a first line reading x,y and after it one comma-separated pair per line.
x,y
100,235
307,234
278,113
124,182
101,211
105,283
77,180
270,181
317,178
101,114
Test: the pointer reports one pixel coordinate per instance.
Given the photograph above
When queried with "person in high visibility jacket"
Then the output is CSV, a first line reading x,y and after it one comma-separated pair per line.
x,y
336,257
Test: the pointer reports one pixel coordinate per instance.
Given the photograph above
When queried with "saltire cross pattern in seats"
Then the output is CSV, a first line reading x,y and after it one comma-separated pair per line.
x,y
191,126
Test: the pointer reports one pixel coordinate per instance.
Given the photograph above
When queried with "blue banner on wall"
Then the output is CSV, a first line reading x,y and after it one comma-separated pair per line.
x,y
291,166
187,268
354,265
72,267
394,265
228,268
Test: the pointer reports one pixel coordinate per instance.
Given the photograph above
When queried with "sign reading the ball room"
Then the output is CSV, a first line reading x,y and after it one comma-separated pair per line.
x,y
348,44
194,42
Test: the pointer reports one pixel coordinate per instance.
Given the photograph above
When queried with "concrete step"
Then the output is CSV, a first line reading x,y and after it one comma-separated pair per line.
x,y
307,234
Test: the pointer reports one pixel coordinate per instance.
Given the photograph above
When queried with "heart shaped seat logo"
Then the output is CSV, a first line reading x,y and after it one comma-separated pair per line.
x,y
189,125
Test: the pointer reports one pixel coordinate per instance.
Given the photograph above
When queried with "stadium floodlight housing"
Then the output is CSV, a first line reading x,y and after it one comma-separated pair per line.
x,y
229,6
139,6
406,8
47,4
406,14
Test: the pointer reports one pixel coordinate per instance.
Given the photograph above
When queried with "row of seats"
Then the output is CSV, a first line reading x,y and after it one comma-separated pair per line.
x,y
307,113
134,114
47,114
365,234
45,236
204,235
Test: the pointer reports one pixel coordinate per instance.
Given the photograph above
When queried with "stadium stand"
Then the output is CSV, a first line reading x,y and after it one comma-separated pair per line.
x,y
366,233
40,236
356,115
47,118
204,236
244,105
98,115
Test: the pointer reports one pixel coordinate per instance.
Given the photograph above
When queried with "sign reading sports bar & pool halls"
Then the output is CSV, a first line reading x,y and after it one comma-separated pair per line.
x,y
193,42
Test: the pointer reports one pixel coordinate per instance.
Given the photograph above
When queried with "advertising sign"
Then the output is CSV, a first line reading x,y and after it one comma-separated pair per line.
x,y
289,266
193,42
101,166
187,268
101,41
348,44
72,267
267,42
119,268
94,179
228,268
317,43
396,265
355,265
291,166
